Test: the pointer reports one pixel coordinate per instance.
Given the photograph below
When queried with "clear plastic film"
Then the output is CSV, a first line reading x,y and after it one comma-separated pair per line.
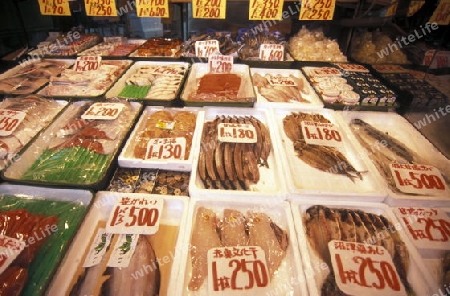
x,y
251,42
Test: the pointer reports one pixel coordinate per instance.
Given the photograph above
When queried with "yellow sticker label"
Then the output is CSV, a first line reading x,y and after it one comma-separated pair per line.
x,y
441,15
265,9
54,7
317,10
214,9
152,8
100,7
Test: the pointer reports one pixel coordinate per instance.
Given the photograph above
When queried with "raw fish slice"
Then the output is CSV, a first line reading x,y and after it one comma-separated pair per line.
x,y
233,229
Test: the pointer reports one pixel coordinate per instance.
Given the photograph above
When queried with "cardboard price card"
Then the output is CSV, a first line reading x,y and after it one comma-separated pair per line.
x,y
324,134
203,49
152,8
10,120
271,52
315,10
441,15
418,179
215,9
166,148
237,133
54,7
220,63
100,7
265,9
103,111
87,63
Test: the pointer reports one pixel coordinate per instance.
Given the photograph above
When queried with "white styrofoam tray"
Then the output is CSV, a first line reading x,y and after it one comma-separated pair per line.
x,y
127,159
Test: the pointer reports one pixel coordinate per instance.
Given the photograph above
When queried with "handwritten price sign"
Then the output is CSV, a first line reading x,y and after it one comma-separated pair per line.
x,y
166,148
237,269
364,269
441,15
203,49
152,8
418,179
220,63
265,9
325,134
135,214
215,9
54,7
10,248
353,68
100,7
280,80
10,120
87,63
103,111
237,133
317,10
271,52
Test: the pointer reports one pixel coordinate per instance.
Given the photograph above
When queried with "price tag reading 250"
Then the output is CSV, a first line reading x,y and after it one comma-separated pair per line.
x,y
100,7
317,10
166,148
215,9
237,269
324,134
10,120
103,111
87,63
237,133
418,179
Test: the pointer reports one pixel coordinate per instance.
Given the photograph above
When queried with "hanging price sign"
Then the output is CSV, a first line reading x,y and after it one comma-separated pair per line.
x,y
418,179
265,10
324,134
364,269
135,214
215,9
98,248
100,7
205,48
10,120
441,14
220,63
10,248
103,111
237,269
271,52
152,8
87,63
54,7
237,133
315,10
166,148
123,250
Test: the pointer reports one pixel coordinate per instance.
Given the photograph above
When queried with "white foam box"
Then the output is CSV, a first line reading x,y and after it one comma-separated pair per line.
x,y
271,183
400,129
317,274
287,280
311,96
174,214
127,158
301,178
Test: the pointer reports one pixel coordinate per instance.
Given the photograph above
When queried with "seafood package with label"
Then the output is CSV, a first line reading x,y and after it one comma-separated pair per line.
x,y
37,226
22,118
158,82
71,43
250,48
240,248
158,47
113,47
78,148
165,138
238,154
91,83
283,86
358,249
226,44
102,261
412,168
320,159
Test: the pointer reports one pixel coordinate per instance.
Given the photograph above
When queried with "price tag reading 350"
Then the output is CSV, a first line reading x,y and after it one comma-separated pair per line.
x,y
10,120
271,52
220,63
324,134
237,133
317,10
237,269
418,179
103,111
205,48
135,214
87,63
265,10
166,148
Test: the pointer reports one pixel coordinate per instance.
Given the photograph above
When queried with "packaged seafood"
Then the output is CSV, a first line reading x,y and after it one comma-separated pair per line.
x,y
148,269
78,148
319,158
113,47
250,48
203,88
225,226
279,86
396,148
348,249
227,46
165,138
41,223
151,82
158,48
23,118
86,84
238,155
71,43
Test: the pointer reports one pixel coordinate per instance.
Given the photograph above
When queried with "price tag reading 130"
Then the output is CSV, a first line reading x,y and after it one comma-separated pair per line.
x,y
215,9
237,133
203,49
100,7
220,63
166,148
10,120
364,269
152,8
54,7
135,214
271,52
87,63
324,134
317,10
103,111
237,269
418,179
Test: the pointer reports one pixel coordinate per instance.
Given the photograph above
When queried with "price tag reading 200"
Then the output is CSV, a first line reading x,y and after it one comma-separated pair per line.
x,y
317,10
237,269
166,148
418,179
237,133
220,63
215,9
325,134
87,63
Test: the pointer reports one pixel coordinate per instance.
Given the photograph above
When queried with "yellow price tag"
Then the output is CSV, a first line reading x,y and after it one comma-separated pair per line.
x,y
265,9
54,7
100,7
441,15
391,10
215,9
152,8
414,6
315,10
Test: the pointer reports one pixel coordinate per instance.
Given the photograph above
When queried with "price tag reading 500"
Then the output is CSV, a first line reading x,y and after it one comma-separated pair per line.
x,y
166,148
418,179
324,134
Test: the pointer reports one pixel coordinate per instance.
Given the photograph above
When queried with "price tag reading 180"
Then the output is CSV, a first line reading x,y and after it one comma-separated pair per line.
x,y
220,63
103,111
205,48
54,7
271,52
237,269
418,179
364,269
166,148
10,120
317,10
237,133
87,63
325,134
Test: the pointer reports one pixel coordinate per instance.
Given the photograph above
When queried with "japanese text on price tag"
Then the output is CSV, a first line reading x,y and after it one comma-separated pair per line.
x,y
324,134
317,10
135,214
54,7
100,7
10,248
237,269
103,111
215,9
98,248
279,80
123,250
265,9
441,14
353,67
10,120
204,49
237,133
418,179
152,8
166,148
220,63
87,63
364,269
271,52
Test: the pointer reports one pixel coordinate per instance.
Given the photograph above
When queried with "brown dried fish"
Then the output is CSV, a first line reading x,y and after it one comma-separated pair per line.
x,y
233,229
